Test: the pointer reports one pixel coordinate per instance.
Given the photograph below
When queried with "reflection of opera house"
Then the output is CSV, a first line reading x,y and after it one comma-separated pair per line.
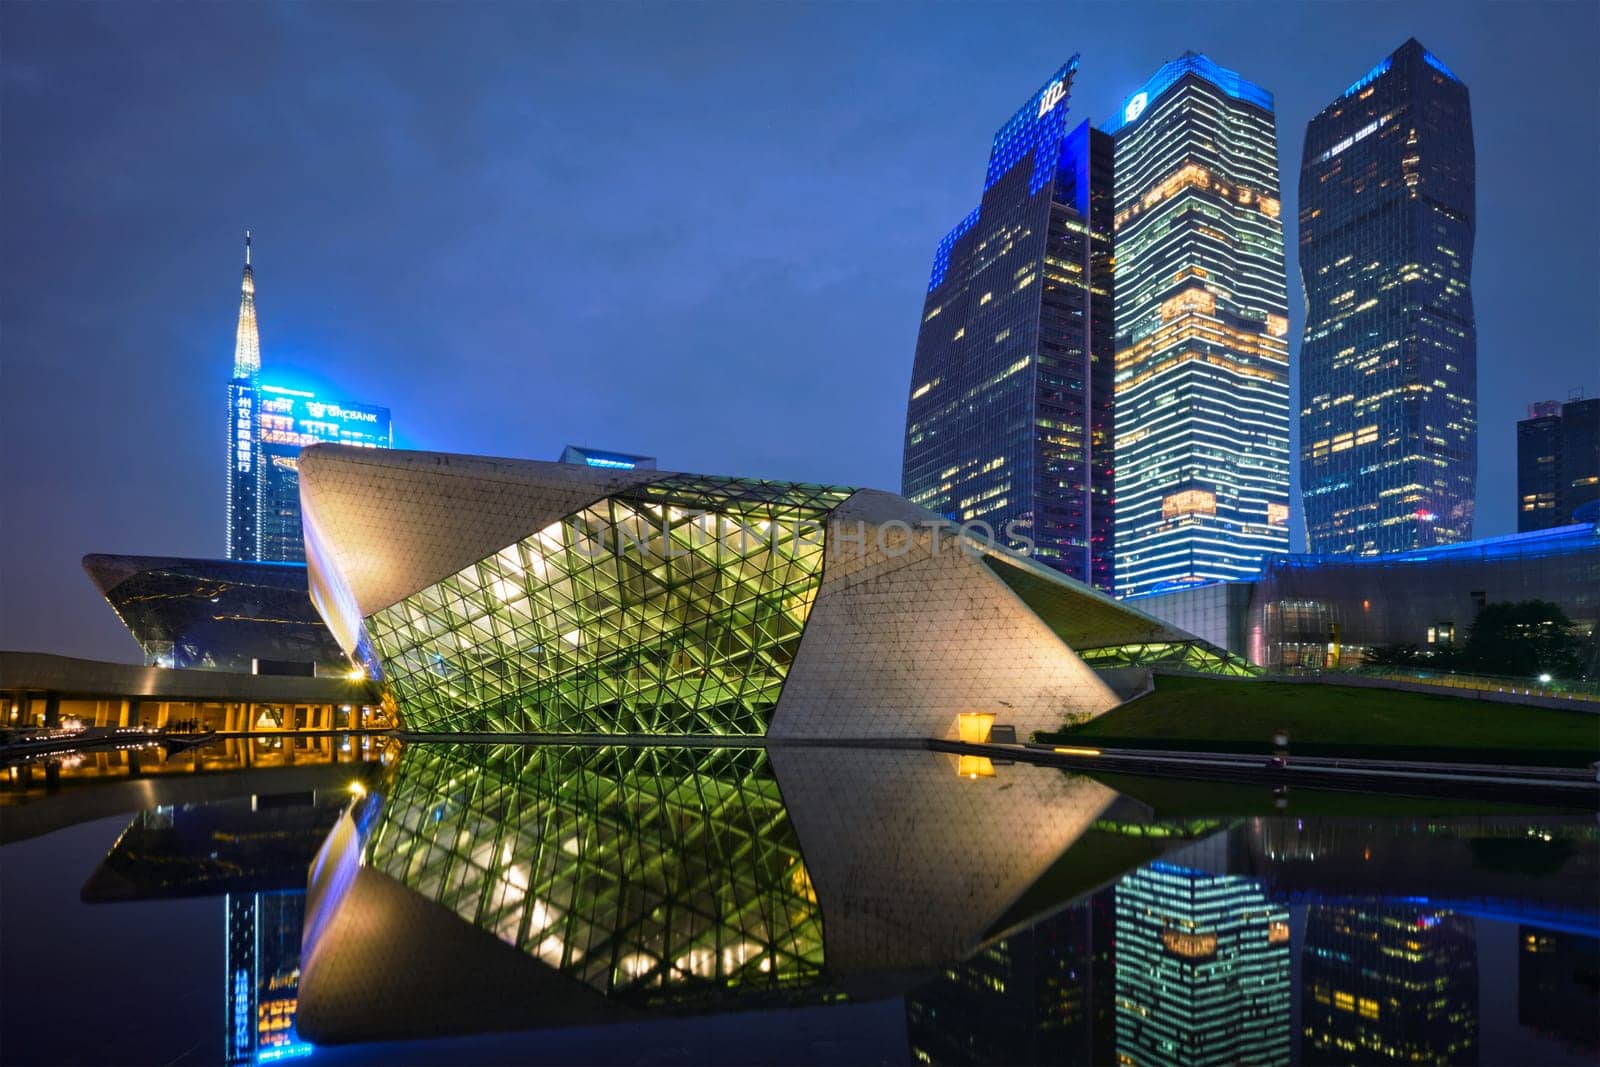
x,y
498,595
602,883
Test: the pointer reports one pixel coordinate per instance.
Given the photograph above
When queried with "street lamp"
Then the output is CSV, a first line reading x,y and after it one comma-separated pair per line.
x,y
1544,679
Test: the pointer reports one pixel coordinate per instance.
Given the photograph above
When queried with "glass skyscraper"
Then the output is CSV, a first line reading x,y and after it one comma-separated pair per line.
x,y
268,425
244,531
1009,421
1388,983
1558,462
1203,970
1388,365
287,421
1202,317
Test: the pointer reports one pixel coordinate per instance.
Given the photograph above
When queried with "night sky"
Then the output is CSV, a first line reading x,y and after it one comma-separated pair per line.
x,y
701,232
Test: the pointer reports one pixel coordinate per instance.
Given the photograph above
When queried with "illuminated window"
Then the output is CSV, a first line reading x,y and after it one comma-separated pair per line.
x,y
1189,502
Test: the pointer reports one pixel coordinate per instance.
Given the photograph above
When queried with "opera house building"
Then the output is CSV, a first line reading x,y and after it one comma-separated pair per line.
x,y
496,596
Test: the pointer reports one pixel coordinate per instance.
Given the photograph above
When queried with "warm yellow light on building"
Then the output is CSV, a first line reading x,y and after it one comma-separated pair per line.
x,y
1192,299
973,726
975,767
1189,502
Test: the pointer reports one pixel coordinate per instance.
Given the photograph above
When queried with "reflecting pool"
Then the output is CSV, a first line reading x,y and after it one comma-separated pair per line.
x,y
357,900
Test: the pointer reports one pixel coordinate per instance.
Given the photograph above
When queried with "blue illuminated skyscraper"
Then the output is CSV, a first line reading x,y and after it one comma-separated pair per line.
x,y
1203,970
244,531
1388,365
1202,364
287,421
268,425
1009,420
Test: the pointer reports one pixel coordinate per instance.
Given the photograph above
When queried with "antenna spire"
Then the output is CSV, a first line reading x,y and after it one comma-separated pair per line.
x,y
247,248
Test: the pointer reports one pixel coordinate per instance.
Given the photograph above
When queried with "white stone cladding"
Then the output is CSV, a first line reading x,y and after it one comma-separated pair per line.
x,y
912,863
899,643
394,522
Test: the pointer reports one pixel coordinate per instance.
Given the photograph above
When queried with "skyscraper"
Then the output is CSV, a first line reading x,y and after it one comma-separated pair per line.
x,y
1385,982
1009,421
1558,462
289,420
1388,365
1202,970
244,531
1202,317
268,425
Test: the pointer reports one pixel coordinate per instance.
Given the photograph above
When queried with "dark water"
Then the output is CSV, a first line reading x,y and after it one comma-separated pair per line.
x,y
347,902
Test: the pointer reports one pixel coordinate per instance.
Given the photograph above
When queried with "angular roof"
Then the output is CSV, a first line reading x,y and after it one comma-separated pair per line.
x,y
1080,615
216,613
394,522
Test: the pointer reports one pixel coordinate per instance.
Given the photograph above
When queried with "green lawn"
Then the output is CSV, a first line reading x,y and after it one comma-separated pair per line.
x,y
1242,715
1176,798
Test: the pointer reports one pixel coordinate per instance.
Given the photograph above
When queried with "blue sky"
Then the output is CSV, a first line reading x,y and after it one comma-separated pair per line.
x,y
697,231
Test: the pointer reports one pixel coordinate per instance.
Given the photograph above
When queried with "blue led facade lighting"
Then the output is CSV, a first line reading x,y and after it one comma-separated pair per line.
x,y
941,256
1229,81
287,420
1437,64
1368,78
616,461
1202,321
1036,129
1009,421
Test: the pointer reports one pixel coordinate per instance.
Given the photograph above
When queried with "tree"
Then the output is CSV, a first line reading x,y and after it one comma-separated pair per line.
x,y
1396,655
1524,640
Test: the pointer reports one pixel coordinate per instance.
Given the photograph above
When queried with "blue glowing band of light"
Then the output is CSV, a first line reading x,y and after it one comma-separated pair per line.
x,y
601,461
1224,79
941,257
1368,78
1438,64
293,1050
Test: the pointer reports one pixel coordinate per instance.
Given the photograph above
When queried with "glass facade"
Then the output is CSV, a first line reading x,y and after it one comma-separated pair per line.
x,y
1041,995
1203,970
268,425
244,531
672,608
1558,462
1202,366
1009,420
1386,983
650,875
288,420
223,615
1318,612
1388,364
596,457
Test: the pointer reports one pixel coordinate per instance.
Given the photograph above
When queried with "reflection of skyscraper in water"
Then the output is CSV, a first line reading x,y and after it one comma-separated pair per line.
x,y
1558,985
1034,997
263,976
1388,984
1202,970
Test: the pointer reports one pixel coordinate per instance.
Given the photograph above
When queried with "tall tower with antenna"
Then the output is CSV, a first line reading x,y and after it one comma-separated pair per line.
x,y
244,516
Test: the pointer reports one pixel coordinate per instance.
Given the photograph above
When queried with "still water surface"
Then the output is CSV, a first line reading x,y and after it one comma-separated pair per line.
x,y
356,901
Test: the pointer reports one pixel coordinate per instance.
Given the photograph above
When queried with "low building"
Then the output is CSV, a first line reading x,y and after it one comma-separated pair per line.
x,y
219,615
1311,611
517,596
595,457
